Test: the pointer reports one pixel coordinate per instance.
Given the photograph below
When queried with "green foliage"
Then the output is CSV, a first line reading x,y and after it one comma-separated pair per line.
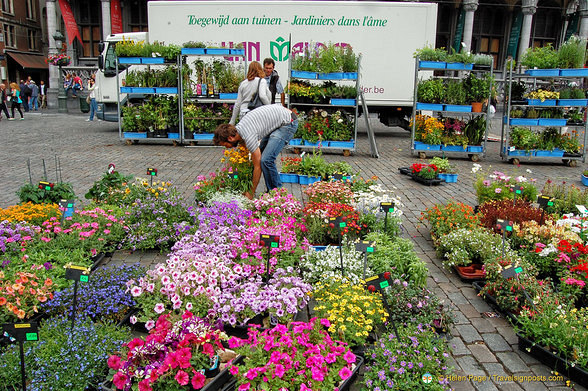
x,y
455,93
477,89
194,44
567,196
31,193
482,59
475,129
397,256
572,54
430,54
431,91
524,138
103,189
540,57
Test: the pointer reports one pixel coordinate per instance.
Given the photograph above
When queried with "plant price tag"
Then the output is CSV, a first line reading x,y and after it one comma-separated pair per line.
x,y
152,171
387,207
338,222
544,201
504,225
379,282
22,332
67,206
510,271
518,190
233,174
77,273
272,241
44,185
582,210
364,246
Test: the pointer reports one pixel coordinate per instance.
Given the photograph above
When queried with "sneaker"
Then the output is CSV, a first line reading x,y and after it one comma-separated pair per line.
x,y
88,120
22,119
11,119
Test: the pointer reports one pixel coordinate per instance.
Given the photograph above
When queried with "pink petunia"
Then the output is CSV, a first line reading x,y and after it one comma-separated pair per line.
x,y
144,385
114,362
182,378
119,380
198,380
344,373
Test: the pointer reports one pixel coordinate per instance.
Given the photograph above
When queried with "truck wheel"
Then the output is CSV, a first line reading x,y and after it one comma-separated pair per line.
x,y
193,143
573,163
422,155
129,142
175,143
516,162
346,152
475,157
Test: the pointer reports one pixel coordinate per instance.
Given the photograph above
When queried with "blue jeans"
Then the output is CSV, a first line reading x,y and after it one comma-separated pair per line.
x,y
34,103
270,147
93,108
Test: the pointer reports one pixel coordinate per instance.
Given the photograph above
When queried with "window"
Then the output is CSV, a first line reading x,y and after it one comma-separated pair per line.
x,y
7,6
31,10
89,22
546,24
9,36
445,16
110,62
489,30
32,37
138,20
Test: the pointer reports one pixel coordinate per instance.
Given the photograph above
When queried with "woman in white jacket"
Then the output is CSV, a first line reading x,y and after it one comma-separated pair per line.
x,y
93,88
248,87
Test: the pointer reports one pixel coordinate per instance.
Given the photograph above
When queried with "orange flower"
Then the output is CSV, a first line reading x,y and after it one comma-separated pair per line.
x,y
48,282
20,314
2,300
42,299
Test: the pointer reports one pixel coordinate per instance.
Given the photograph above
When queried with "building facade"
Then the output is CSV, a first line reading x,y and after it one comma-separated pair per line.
x,y
501,28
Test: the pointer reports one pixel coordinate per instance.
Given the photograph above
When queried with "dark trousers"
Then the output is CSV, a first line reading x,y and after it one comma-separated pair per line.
x,y
4,109
25,103
16,105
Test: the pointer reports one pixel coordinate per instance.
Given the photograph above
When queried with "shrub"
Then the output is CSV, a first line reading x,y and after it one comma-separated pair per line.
x,y
32,193
445,218
567,196
508,210
463,247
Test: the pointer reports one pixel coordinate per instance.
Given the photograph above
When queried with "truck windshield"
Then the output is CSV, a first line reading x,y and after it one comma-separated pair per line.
x,y
110,61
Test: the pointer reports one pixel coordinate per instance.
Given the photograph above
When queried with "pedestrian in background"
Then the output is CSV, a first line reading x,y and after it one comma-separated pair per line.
x,y
78,85
3,101
23,96
254,84
273,80
93,93
34,95
43,94
16,100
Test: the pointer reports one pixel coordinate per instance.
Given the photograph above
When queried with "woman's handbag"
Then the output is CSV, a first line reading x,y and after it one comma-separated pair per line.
x,y
255,99
88,99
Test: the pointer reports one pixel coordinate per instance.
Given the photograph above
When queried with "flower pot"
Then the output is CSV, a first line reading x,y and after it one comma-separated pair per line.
x,y
451,178
585,180
477,107
472,272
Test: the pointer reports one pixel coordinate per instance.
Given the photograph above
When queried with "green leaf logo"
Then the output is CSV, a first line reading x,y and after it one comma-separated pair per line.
x,y
279,49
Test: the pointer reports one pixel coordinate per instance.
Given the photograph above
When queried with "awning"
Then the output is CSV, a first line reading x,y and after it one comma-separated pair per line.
x,y
29,61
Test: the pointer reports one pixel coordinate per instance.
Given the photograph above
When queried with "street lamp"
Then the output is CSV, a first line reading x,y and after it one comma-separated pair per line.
x,y
61,95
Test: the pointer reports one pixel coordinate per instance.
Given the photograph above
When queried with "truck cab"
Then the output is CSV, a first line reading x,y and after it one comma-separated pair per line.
x,y
107,78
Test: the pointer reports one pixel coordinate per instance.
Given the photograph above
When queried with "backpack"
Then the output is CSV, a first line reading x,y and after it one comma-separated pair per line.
x,y
26,90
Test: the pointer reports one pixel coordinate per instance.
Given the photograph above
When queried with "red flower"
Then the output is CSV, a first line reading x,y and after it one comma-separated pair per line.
x,y
114,362
119,380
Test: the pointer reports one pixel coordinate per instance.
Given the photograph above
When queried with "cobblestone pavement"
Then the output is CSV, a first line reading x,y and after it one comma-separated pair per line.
x,y
481,346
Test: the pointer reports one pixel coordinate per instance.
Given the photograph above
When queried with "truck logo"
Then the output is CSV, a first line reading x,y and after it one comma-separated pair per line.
x,y
279,49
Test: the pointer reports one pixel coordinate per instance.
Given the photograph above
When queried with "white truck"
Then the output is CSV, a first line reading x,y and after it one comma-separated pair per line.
x,y
386,34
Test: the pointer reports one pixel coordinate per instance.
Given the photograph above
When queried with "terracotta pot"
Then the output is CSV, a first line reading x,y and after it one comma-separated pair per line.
x,y
477,107
474,271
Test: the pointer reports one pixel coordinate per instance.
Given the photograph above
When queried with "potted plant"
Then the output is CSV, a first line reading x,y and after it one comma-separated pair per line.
x,y
456,97
572,54
541,61
585,178
478,91
431,57
302,366
425,173
483,61
430,91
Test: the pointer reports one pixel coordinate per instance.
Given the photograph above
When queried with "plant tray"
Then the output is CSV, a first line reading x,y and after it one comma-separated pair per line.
x,y
152,60
459,65
143,90
578,72
166,90
303,74
126,90
312,144
427,147
203,136
475,148
331,76
217,51
173,136
429,106
308,180
193,51
542,72
584,180
524,121
552,122
405,170
341,144
432,64
343,102
427,182
319,248
129,60
237,52
572,102
450,178
561,365
458,108
453,148
228,95
473,272
350,75
133,135
288,178
295,141
520,152
539,102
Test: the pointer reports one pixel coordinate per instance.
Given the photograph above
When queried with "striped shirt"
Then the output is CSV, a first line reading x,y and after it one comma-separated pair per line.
x,y
260,122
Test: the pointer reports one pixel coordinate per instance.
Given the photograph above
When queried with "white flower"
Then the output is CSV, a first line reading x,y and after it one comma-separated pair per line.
x,y
476,167
529,171
521,179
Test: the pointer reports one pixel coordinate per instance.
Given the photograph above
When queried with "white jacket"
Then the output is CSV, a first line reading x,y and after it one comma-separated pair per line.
x,y
246,90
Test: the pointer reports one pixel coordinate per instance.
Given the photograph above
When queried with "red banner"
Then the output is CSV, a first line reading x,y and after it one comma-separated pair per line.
x,y
71,27
115,17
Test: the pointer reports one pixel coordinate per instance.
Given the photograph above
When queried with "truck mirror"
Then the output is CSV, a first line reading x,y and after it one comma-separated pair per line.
x,y
101,47
100,62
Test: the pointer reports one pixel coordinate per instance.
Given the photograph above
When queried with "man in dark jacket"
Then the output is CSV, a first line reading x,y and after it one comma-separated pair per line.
x,y
26,93
273,80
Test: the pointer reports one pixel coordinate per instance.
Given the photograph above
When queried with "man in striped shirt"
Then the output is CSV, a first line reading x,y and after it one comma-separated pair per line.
x,y
265,131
